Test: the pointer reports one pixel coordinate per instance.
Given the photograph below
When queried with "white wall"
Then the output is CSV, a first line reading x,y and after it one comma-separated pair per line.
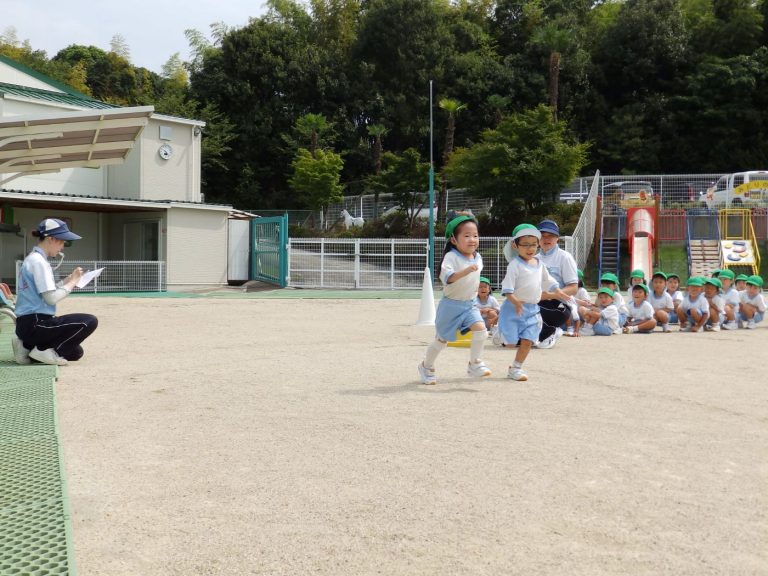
x,y
178,177
197,247
11,75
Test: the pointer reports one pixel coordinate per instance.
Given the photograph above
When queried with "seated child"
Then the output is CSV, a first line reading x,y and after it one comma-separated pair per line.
x,y
641,312
601,319
741,282
637,276
487,304
673,287
694,309
732,299
582,296
609,280
712,288
660,300
752,302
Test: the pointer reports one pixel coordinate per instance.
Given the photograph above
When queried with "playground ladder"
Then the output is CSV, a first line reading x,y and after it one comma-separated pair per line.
x,y
703,235
610,244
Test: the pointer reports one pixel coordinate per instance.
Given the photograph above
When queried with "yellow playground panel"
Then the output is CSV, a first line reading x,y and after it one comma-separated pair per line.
x,y
737,239
462,340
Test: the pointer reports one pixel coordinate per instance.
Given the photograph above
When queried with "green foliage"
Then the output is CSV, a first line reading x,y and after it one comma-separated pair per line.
x,y
316,177
527,159
406,177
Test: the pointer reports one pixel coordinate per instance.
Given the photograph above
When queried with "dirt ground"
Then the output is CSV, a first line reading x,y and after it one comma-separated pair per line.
x,y
255,436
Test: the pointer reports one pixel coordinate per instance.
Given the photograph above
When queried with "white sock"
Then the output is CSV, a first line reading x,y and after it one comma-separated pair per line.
x,y
478,344
432,351
517,364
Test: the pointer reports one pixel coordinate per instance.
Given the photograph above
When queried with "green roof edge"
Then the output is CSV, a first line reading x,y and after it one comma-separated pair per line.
x,y
43,78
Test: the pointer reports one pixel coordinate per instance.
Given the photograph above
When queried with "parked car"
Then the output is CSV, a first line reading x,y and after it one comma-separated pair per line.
x,y
634,191
736,190
681,193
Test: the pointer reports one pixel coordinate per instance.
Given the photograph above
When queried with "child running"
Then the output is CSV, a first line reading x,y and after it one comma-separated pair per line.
x,y
641,312
522,288
732,300
460,275
694,309
752,302
660,300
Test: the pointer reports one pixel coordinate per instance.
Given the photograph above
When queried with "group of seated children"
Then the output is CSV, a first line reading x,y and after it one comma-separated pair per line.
x,y
723,301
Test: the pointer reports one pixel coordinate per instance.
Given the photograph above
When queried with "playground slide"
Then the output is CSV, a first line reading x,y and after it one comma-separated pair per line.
x,y
641,237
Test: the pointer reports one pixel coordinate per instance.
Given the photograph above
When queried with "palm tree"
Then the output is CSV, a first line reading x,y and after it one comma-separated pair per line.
x,y
311,126
555,40
453,107
378,132
499,105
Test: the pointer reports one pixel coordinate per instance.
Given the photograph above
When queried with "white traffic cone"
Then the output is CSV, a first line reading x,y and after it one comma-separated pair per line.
x,y
427,308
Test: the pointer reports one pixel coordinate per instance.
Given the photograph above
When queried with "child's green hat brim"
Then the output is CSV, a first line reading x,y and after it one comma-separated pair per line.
x,y
642,286
525,230
742,277
659,274
637,273
450,228
485,280
755,280
580,274
608,291
726,274
673,275
609,277
715,282
695,281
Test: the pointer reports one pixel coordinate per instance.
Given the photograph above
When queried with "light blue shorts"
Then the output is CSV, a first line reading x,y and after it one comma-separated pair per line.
x,y
673,317
758,317
622,319
514,327
602,328
453,315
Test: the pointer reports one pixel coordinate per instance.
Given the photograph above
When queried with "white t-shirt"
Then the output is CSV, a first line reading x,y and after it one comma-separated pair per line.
x,y
490,302
610,314
618,299
677,297
561,265
581,294
718,302
758,301
526,280
732,297
701,304
640,313
464,288
663,302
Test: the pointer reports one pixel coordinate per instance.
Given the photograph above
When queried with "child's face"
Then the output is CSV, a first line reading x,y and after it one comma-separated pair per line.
x,y
673,284
604,299
752,290
633,281
741,284
710,290
527,246
483,290
659,284
605,284
638,296
694,291
466,238
726,284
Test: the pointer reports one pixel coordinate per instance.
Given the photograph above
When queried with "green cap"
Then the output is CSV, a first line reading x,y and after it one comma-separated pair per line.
x,y
451,226
742,277
580,274
695,281
485,280
727,274
641,285
673,275
525,230
755,280
609,277
716,273
637,273
605,290
715,282
659,274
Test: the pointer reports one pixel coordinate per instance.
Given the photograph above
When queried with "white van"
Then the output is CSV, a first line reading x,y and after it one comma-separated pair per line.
x,y
741,189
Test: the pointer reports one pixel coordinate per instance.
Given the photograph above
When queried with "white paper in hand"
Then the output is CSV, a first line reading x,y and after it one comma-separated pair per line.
x,y
86,278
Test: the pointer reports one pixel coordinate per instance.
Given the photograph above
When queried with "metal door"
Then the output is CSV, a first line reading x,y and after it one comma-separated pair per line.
x,y
269,245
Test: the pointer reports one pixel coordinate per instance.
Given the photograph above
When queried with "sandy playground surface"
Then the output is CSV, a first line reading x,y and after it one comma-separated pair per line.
x,y
257,436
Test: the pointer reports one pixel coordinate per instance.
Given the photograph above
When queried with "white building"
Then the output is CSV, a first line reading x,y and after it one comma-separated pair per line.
x,y
126,179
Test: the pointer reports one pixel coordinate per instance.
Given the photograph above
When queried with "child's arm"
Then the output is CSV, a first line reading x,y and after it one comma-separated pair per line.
x,y
461,273
515,301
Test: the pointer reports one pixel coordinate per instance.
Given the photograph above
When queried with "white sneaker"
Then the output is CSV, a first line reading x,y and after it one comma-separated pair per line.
x,y
550,340
587,329
517,374
497,340
20,354
629,329
751,325
733,325
714,327
685,329
665,327
478,369
47,356
569,331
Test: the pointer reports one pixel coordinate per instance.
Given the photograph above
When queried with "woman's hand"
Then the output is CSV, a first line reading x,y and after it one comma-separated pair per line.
x,y
71,281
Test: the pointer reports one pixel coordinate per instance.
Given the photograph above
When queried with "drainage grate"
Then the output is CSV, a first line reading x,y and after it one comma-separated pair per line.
x,y
29,472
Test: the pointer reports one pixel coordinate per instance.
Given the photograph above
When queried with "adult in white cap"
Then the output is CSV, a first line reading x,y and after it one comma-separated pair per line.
x,y
562,266
40,334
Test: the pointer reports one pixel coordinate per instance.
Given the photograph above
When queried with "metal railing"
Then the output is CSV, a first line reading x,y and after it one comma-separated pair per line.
x,y
117,276
580,242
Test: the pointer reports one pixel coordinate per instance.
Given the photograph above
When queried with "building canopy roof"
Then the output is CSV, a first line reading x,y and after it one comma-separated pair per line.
x,y
43,143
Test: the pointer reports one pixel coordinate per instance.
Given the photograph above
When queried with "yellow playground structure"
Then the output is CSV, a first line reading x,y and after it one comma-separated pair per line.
x,y
737,239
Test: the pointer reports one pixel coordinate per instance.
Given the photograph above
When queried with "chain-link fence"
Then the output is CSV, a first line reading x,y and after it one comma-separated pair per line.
x,y
580,243
117,276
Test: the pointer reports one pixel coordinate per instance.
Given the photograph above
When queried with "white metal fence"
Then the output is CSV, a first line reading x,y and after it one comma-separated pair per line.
x,y
584,234
675,190
384,264
117,276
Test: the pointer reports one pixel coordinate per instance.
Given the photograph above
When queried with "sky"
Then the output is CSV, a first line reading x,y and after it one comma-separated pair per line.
x,y
153,30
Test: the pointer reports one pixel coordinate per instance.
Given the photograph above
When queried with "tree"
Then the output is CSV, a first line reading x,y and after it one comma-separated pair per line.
x,y
452,107
405,177
377,132
315,177
555,40
119,45
526,160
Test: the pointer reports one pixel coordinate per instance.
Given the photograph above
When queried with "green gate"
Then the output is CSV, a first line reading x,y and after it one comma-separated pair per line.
x,y
269,245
